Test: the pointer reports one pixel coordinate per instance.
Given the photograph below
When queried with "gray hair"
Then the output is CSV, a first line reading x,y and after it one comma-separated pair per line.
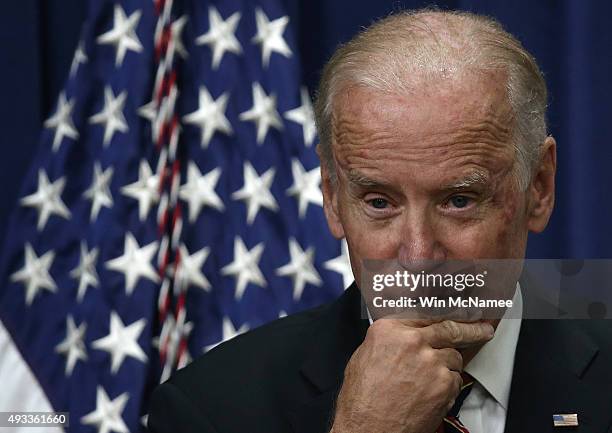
x,y
429,44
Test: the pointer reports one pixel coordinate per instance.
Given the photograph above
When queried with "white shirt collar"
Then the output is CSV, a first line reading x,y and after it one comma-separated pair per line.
x,y
493,365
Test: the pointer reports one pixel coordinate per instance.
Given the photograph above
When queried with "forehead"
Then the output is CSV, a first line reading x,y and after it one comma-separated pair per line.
x,y
443,103
456,122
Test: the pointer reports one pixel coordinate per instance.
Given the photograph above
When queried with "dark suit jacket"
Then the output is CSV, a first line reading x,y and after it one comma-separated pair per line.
x,y
285,376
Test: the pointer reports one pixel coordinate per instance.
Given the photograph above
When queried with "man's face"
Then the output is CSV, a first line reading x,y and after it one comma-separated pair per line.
x,y
431,176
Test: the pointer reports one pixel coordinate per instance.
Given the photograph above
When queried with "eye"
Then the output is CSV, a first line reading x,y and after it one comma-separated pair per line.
x,y
459,201
379,203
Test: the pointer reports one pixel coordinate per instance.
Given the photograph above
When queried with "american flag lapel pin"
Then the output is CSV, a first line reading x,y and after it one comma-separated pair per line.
x,y
565,420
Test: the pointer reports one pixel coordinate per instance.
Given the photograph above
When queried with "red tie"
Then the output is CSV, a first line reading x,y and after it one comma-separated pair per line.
x,y
451,423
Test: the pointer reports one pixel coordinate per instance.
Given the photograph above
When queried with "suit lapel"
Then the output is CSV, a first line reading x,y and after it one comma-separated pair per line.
x,y
335,337
558,369
552,358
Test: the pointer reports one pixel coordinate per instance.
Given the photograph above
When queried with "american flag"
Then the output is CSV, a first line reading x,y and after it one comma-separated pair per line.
x,y
175,203
565,420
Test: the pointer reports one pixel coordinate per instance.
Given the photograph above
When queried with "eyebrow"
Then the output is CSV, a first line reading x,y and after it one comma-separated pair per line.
x,y
359,179
476,178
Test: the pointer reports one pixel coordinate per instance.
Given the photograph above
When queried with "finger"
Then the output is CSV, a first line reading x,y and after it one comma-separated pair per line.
x,y
463,315
456,389
450,358
411,322
457,334
411,319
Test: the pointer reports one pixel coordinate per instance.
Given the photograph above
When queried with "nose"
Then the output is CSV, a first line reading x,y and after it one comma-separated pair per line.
x,y
420,248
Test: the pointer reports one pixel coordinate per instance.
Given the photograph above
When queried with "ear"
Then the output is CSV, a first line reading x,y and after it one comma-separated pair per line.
x,y
330,202
542,189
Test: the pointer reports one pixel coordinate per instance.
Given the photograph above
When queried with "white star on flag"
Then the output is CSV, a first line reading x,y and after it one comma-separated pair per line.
x,y
35,273
121,341
245,267
228,331
220,36
99,191
210,116
189,270
135,262
149,112
47,199
145,189
263,113
111,115
73,346
270,36
177,28
199,190
304,115
123,34
305,186
300,268
107,415
79,58
85,272
61,120
256,191
342,265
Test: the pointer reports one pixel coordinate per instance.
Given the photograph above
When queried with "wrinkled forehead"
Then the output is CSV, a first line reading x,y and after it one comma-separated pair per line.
x,y
440,133
427,106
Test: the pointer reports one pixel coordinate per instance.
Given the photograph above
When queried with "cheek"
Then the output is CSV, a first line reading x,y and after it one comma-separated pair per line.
x,y
509,226
369,242
507,221
363,246
500,233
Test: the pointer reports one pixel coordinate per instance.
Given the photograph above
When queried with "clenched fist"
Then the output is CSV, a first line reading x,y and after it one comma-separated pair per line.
x,y
405,376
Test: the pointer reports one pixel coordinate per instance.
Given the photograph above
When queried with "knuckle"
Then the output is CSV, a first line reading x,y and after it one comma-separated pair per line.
x,y
450,380
377,325
428,357
445,385
446,380
453,331
458,357
457,383
414,340
379,329
475,332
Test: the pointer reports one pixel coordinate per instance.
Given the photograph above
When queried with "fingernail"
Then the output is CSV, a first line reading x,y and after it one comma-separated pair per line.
x,y
489,330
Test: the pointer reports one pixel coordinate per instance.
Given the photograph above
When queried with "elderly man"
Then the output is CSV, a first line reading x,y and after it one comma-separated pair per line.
x,y
433,147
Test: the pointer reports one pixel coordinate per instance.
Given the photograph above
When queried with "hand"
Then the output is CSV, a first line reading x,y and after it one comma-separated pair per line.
x,y
405,376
